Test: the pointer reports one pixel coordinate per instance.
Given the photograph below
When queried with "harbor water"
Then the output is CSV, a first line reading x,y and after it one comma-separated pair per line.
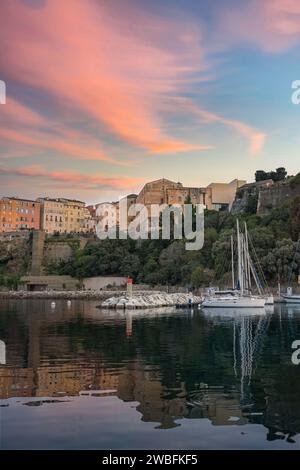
x,y
73,376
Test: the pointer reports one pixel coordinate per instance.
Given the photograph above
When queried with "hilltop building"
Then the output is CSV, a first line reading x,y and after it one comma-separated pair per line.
x,y
164,191
216,196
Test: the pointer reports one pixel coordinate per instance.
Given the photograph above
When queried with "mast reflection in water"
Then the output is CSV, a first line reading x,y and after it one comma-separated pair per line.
x,y
77,377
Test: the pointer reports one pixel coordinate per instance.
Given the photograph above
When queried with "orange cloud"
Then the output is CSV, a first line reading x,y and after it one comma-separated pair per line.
x,y
15,112
45,141
113,66
69,178
29,128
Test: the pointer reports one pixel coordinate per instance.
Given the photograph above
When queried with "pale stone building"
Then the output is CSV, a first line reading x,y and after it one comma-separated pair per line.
x,y
216,196
220,196
88,223
64,216
164,191
106,215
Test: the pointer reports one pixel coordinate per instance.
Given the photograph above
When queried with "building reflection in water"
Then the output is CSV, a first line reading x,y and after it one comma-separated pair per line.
x,y
180,366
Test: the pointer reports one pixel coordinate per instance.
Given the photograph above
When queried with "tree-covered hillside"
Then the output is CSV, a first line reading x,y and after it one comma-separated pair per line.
x,y
167,262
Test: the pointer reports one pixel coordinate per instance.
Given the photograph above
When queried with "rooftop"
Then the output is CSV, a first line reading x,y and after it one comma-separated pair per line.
x,y
14,198
60,199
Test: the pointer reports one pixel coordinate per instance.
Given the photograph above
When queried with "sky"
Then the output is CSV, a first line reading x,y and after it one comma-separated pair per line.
x,y
103,96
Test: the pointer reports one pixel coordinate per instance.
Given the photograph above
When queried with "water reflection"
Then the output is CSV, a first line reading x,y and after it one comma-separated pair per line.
x,y
2,352
230,369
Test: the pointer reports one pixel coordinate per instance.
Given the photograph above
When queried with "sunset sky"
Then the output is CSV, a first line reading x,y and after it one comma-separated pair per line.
x,y
104,95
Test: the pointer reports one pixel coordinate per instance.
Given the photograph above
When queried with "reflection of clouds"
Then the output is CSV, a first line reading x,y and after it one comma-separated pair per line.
x,y
2,352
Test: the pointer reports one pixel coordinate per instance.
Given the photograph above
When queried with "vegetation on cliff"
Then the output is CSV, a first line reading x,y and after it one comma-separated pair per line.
x,y
15,257
167,262
279,175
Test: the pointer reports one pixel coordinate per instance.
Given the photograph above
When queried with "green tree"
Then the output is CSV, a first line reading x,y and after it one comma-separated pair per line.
x,y
279,175
197,277
295,218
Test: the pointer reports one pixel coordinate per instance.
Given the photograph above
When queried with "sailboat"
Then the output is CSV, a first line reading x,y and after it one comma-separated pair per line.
x,y
241,295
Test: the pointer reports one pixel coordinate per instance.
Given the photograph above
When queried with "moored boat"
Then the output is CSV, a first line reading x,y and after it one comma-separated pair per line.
x,y
234,301
291,298
241,295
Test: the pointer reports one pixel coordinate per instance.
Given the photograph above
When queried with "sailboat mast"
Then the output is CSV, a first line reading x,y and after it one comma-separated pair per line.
x,y
247,255
232,263
243,261
240,264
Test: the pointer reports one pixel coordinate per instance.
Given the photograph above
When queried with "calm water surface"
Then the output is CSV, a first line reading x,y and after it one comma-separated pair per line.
x,y
76,377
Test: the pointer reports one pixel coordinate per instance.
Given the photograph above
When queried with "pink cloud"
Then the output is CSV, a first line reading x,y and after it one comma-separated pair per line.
x,y
271,25
112,64
15,112
30,132
70,178
45,141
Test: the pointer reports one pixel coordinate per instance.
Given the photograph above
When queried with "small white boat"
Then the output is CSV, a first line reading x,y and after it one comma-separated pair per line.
x,y
291,298
294,299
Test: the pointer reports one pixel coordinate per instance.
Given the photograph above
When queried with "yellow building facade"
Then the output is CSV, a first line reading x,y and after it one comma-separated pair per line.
x,y
65,216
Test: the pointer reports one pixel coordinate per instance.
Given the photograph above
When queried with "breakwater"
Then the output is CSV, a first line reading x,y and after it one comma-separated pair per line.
x,y
149,300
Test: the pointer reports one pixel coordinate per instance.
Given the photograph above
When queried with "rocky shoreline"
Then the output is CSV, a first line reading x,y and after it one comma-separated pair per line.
x,y
68,295
110,299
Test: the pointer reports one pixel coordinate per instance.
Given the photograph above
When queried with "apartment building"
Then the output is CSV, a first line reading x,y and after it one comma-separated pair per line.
x,y
19,214
64,216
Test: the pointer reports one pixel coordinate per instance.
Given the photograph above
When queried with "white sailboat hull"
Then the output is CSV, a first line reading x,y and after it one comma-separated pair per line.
x,y
270,300
234,302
